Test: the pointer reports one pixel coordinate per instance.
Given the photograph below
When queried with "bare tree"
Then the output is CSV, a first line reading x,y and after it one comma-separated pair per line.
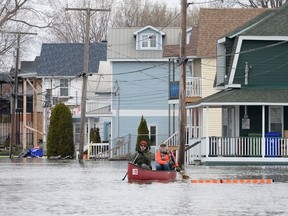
x,y
69,26
135,13
261,3
19,16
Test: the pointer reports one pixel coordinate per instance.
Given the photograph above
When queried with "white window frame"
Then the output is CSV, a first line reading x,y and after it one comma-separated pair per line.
x,y
63,86
148,41
156,134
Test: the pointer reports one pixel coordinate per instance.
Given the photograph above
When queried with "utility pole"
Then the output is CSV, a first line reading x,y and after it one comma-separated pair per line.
x,y
15,89
182,89
85,74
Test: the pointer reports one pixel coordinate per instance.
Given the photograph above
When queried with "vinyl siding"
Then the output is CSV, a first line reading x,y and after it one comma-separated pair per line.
x,y
208,76
129,125
215,115
214,119
122,44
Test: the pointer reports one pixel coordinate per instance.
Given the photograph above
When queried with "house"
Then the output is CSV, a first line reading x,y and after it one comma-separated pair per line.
x,y
60,68
252,82
138,66
201,54
5,106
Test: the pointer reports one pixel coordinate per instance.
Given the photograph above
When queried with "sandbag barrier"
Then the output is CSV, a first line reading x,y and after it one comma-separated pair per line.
x,y
232,181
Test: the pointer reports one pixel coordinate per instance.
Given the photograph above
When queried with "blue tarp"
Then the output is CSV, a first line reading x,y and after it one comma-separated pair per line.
x,y
36,152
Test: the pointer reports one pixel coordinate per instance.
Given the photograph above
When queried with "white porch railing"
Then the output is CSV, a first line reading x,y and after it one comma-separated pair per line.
x,y
239,147
173,139
121,150
193,87
96,105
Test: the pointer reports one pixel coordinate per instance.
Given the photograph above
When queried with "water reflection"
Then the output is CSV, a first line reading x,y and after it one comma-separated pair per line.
x,y
43,187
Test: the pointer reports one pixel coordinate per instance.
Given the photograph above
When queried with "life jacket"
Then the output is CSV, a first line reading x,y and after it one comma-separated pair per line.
x,y
164,157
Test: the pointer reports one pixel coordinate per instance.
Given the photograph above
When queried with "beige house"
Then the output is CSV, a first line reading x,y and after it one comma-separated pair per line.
x,y
202,62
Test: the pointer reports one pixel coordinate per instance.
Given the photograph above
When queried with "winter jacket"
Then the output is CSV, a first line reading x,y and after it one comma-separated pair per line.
x,y
143,158
163,157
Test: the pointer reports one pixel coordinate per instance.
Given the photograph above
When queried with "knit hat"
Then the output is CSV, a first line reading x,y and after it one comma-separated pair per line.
x,y
143,142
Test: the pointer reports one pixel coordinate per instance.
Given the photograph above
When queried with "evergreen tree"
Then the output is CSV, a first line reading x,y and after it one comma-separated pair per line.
x,y
97,135
60,132
92,135
143,134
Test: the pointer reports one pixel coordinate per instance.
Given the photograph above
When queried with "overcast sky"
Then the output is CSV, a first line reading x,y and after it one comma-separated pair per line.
x,y
30,55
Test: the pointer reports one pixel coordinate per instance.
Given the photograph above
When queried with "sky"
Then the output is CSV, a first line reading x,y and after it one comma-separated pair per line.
x,y
30,55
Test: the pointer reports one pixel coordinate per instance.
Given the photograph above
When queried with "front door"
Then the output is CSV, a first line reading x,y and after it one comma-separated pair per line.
x,y
228,120
276,119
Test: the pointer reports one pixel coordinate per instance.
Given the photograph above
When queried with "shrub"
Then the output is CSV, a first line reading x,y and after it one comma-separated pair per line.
x,y
143,134
60,132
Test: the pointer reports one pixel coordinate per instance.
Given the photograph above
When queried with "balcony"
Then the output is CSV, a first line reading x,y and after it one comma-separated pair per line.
x,y
193,89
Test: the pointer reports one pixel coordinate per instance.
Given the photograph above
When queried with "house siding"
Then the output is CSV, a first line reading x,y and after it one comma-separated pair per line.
x,y
122,44
215,115
208,75
272,62
142,92
214,118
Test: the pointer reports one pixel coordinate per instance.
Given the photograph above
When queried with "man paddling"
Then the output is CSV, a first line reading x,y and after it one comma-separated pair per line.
x,y
142,157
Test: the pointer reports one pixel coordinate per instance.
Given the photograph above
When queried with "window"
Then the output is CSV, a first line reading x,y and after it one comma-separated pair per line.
x,y
148,41
153,135
64,87
276,116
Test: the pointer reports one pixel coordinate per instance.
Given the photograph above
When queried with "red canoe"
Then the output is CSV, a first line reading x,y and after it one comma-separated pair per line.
x,y
136,173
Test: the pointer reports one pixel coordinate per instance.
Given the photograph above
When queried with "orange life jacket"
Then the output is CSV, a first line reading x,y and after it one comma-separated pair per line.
x,y
167,157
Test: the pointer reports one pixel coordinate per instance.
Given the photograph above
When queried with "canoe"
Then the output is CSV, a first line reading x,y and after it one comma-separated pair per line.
x,y
136,173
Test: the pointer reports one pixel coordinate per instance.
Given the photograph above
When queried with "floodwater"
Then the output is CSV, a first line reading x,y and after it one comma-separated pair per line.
x,y
65,187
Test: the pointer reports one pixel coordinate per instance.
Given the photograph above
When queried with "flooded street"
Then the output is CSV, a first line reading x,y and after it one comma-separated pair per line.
x,y
42,187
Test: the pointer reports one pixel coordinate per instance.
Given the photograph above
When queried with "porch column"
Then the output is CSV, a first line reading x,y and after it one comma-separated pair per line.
x,y
263,132
190,124
207,132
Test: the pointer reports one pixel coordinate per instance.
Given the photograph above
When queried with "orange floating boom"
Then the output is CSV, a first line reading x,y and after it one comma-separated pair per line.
x,y
232,181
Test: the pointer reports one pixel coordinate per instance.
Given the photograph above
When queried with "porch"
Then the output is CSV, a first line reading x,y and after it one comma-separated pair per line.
x,y
239,150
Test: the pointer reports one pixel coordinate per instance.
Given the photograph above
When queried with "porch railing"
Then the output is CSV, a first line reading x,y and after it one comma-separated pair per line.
x,y
243,146
239,147
193,87
121,150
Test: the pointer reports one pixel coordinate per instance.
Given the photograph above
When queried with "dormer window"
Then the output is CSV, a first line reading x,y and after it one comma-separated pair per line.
x,y
149,38
148,41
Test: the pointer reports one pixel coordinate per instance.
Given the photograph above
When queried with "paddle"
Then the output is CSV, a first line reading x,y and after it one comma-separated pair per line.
x,y
184,176
182,173
133,163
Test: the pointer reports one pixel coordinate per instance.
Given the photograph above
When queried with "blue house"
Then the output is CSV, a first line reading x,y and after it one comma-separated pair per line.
x,y
141,74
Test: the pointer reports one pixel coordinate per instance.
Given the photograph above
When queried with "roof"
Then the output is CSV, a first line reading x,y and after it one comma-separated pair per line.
x,y
264,25
214,23
174,50
122,43
148,27
66,59
245,96
6,78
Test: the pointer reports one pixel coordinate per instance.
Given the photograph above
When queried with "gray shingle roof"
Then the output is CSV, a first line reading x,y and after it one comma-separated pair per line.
x,y
67,59
272,22
245,96
6,78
